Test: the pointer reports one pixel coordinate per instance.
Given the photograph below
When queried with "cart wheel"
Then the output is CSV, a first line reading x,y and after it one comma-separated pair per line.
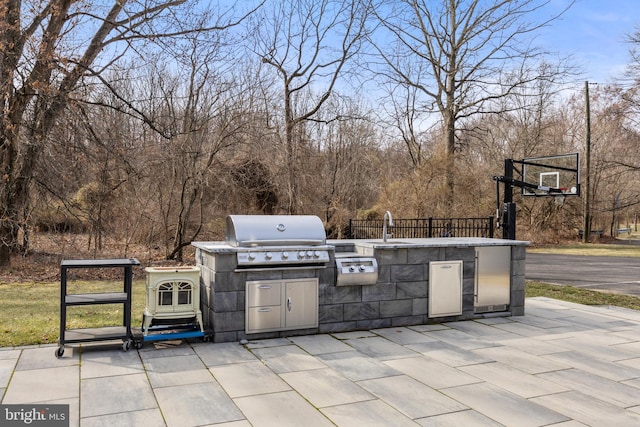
x,y
59,352
126,345
138,344
206,338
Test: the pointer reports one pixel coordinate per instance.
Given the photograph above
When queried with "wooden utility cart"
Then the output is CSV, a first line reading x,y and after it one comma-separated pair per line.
x,y
117,332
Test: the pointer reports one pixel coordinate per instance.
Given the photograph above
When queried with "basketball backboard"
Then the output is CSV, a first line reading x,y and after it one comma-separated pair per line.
x,y
551,175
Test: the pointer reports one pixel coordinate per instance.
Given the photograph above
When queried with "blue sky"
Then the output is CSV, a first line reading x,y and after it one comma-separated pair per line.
x,y
593,32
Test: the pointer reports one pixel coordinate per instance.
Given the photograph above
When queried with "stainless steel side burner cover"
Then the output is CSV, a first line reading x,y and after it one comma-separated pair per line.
x,y
356,271
274,230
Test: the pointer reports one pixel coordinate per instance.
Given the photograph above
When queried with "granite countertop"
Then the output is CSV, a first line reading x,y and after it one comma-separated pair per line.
x,y
458,242
428,243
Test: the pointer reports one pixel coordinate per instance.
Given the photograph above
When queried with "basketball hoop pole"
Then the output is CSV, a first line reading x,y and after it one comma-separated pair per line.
x,y
508,207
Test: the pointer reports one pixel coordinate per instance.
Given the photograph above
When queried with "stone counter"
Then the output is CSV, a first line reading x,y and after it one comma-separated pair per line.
x,y
398,298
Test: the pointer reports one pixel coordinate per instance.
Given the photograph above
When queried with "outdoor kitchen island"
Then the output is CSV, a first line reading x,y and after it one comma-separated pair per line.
x,y
419,281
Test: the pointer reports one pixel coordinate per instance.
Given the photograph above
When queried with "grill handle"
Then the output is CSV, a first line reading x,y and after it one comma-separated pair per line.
x,y
281,242
289,304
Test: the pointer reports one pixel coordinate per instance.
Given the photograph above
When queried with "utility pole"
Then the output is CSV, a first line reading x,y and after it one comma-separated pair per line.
x,y
586,216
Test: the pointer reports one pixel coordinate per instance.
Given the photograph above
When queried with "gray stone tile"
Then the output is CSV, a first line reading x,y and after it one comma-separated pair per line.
x,y
632,363
222,353
325,387
356,366
288,358
74,409
6,369
372,413
176,370
494,320
541,322
458,419
146,417
196,405
513,380
109,363
380,348
504,407
633,347
600,345
44,357
460,339
480,330
281,410
429,327
403,336
631,335
266,343
604,389
572,423
533,346
529,363
431,372
43,385
320,344
248,379
113,395
242,423
634,382
353,335
612,370
411,397
156,349
449,354
588,409
522,329
6,354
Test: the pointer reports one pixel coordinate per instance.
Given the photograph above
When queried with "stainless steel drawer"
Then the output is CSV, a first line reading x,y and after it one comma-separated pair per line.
x,y
263,293
262,319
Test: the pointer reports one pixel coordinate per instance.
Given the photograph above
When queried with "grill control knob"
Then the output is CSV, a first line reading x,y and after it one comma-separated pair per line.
x,y
309,254
268,255
352,269
285,255
362,268
300,254
252,256
316,254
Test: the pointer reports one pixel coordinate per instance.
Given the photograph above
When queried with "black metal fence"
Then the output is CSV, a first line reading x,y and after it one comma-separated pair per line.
x,y
422,228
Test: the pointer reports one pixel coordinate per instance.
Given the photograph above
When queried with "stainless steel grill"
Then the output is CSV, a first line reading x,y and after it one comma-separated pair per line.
x,y
277,240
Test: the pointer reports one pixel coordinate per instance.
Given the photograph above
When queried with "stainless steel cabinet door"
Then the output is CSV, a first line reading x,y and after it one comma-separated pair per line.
x,y
493,278
445,288
301,304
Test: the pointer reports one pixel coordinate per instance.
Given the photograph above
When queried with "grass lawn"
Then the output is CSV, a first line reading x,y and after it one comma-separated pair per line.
x,y
580,296
591,249
31,311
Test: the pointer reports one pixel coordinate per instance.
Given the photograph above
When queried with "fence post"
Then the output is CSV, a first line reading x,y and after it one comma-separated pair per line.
x,y
491,226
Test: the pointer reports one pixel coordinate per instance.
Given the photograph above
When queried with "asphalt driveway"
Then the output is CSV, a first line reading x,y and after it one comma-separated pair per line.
x,y
613,274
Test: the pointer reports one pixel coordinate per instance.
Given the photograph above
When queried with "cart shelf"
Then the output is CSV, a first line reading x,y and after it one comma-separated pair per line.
x,y
96,298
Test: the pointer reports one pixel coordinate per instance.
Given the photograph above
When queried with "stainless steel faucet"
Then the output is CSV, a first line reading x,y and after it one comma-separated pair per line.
x,y
387,214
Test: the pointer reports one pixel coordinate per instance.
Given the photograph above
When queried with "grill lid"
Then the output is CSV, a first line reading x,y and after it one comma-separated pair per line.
x,y
274,230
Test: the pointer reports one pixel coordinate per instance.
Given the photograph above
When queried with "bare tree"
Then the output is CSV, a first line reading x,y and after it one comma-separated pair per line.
x,y
456,53
47,50
308,43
